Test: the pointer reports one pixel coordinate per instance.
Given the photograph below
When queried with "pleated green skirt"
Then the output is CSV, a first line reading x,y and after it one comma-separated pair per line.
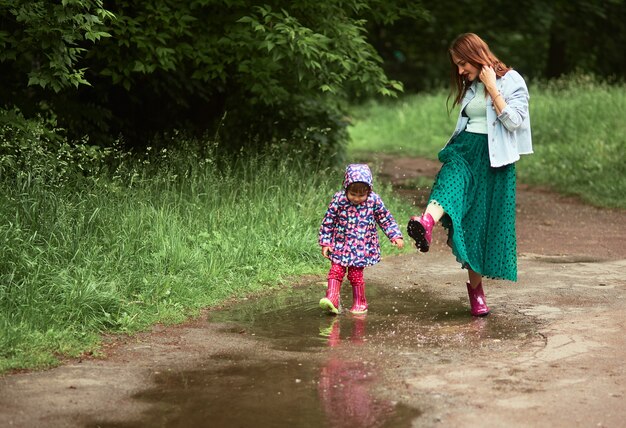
x,y
479,202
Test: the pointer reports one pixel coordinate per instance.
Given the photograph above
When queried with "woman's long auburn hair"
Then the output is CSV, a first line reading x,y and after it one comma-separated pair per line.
x,y
472,49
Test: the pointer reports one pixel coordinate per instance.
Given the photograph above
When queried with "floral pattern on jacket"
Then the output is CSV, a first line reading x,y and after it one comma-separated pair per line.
x,y
350,230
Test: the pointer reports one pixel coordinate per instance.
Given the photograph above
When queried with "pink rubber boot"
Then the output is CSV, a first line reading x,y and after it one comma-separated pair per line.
x,y
478,304
330,303
421,230
359,303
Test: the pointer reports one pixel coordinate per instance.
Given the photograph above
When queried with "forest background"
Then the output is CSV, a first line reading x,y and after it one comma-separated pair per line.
x,y
159,157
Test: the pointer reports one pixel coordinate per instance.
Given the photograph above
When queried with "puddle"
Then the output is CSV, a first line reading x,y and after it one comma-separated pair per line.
x,y
397,318
269,394
328,369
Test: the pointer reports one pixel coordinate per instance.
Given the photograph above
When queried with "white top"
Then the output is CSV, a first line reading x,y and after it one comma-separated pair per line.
x,y
476,110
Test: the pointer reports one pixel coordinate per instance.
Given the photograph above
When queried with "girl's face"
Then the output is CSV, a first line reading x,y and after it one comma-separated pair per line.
x,y
357,198
465,68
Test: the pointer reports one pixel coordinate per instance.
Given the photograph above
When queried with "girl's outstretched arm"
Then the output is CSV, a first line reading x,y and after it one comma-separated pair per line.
x,y
386,221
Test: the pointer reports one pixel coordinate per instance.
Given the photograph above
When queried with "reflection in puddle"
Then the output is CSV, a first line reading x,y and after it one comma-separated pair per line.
x,y
344,390
344,386
330,371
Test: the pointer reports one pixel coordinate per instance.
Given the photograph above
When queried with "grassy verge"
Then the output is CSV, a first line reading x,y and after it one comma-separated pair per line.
x,y
579,136
120,253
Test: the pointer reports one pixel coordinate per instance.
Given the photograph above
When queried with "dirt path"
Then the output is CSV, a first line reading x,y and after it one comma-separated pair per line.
x,y
566,371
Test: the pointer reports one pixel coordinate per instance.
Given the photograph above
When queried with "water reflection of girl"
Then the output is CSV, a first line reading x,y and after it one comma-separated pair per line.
x,y
344,386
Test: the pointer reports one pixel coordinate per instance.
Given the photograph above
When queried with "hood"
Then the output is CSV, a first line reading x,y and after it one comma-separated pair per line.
x,y
357,172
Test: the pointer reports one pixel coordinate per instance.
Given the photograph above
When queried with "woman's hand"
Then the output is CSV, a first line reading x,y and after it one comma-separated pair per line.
x,y
487,75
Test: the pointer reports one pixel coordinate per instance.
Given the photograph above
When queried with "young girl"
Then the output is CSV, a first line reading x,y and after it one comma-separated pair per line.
x,y
349,238
474,192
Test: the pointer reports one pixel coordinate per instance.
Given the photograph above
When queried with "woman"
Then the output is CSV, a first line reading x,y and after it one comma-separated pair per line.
x,y
474,192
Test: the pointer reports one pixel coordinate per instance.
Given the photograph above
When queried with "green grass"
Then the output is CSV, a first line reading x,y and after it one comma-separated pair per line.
x,y
578,126
410,126
118,255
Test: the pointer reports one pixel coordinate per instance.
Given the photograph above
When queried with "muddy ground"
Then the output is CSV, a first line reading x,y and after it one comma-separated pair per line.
x,y
550,355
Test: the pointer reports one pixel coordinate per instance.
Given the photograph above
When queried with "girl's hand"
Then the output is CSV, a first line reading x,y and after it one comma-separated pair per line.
x,y
325,251
398,243
488,76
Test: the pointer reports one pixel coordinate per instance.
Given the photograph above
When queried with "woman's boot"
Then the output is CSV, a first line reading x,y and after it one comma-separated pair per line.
x,y
478,304
421,230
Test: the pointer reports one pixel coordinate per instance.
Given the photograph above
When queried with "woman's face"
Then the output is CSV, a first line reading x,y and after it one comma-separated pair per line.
x,y
465,68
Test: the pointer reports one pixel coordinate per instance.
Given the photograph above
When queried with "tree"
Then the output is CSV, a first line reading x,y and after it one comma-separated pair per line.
x,y
258,73
540,39
587,35
44,41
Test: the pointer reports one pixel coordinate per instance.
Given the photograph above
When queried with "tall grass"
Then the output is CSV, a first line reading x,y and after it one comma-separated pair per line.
x,y
117,253
578,127
415,125
580,140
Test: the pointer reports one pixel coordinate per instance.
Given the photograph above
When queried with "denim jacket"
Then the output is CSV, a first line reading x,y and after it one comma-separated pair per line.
x,y
509,133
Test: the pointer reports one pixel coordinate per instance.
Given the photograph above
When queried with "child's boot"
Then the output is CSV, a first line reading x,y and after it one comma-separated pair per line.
x,y
330,303
421,230
478,304
359,303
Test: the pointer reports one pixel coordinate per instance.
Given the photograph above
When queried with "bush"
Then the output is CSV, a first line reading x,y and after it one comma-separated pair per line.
x,y
135,69
37,150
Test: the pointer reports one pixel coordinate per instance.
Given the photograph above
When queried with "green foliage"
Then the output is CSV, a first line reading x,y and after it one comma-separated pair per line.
x,y
226,66
545,40
236,68
45,40
578,135
268,50
323,56
35,150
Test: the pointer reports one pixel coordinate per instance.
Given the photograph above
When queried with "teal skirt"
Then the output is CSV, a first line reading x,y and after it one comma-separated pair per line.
x,y
479,202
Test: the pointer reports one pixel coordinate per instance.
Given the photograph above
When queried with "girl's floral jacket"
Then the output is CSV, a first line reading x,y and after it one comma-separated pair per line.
x,y
350,230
